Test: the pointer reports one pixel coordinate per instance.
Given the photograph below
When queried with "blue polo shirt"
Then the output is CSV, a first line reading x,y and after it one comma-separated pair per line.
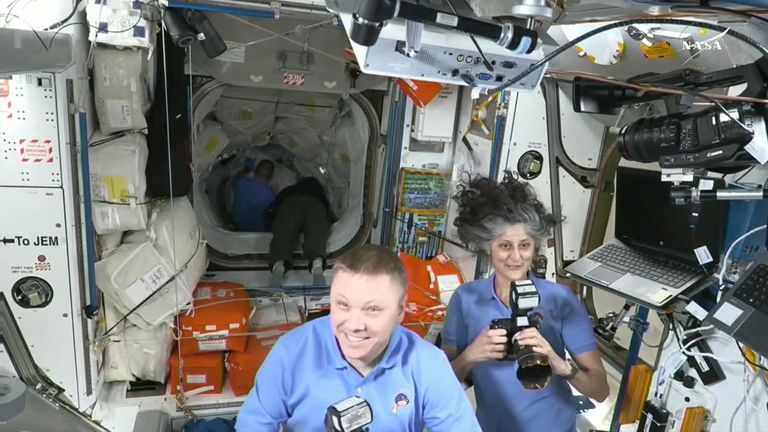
x,y
502,402
305,373
252,200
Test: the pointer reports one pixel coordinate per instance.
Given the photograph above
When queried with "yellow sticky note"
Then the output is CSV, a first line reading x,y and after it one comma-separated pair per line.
x,y
116,188
212,145
657,51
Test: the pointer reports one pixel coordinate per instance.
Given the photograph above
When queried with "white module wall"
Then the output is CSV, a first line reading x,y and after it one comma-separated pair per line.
x,y
525,139
29,150
38,247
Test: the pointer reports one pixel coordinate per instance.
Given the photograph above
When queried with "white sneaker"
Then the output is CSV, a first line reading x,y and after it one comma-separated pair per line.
x,y
276,278
318,278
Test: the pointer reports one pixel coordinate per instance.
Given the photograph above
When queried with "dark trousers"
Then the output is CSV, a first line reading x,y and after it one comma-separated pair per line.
x,y
299,214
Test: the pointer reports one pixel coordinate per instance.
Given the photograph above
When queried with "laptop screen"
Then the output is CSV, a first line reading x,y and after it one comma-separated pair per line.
x,y
646,216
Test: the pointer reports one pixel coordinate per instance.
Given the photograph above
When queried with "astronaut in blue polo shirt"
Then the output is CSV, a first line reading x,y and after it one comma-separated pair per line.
x,y
506,222
359,350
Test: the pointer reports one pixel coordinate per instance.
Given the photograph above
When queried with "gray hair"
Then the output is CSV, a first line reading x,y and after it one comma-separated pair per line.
x,y
487,208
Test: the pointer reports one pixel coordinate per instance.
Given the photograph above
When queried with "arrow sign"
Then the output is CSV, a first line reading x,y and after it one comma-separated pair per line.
x,y
6,241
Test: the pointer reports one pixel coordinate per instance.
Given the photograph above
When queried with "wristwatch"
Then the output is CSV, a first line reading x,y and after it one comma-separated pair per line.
x,y
574,370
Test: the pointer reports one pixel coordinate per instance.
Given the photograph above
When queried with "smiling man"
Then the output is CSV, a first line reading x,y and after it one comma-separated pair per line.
x,y
359,350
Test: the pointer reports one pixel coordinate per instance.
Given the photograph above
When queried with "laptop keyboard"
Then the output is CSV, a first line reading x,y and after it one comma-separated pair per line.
x,y
754,290
650,267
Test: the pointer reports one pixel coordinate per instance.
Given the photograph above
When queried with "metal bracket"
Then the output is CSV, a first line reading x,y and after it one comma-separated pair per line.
x,y
49,393
677,175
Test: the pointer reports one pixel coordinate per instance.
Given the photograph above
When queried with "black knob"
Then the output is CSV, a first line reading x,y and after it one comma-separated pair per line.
x,y
689,382
455,73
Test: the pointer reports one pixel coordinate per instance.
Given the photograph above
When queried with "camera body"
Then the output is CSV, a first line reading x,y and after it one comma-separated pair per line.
x,y
705,138
533,369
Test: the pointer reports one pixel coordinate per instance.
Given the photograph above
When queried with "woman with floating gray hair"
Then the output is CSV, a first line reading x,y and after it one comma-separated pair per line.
x,y
505,222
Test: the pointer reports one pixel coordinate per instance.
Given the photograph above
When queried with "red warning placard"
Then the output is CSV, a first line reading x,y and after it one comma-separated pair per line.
x,y
35,151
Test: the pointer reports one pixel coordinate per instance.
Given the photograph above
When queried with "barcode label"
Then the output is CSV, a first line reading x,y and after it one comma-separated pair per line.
x,y
196,379
703,255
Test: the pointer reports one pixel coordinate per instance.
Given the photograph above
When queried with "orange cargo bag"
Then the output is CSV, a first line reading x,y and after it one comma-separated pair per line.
x,y
218,319
243,366
420,92
425,312
201,370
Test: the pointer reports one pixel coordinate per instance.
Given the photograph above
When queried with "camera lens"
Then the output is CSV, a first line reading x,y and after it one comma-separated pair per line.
x,y
364,32
533,369
647,139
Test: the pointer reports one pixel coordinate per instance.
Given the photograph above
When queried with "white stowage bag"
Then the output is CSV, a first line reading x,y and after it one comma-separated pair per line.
x,y
134,352
173,227
108,243
118,183
136,270
148,351
120,93
116,365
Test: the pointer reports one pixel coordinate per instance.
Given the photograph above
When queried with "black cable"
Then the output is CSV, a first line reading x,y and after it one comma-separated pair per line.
x,y
585,36
175,276
745,174
37,35
67,18
759,366
702,96
474,41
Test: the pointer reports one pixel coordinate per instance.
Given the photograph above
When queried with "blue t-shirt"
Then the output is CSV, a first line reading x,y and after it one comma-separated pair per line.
x,y
412,386
502,402
253,197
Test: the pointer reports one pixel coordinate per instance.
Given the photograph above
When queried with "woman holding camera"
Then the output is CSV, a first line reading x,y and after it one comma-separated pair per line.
x,y
507,223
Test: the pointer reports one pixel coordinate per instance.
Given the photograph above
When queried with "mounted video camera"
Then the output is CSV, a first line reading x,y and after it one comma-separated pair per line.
x,y
533,369
716,138
705,138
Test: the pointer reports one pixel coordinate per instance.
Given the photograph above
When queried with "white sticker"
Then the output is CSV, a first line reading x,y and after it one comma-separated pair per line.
x,y
447,19
203,293
118,113
233,326
706,184
235,53
728,314
447,284
698,359
758,150
703,255
208,345
196,379
146,284
699,312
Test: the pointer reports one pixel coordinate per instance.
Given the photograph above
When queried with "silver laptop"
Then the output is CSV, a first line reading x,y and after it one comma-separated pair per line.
x,y
652,259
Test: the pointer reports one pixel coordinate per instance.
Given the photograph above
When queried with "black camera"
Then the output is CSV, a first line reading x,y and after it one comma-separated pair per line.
x,y
704,138
533,369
